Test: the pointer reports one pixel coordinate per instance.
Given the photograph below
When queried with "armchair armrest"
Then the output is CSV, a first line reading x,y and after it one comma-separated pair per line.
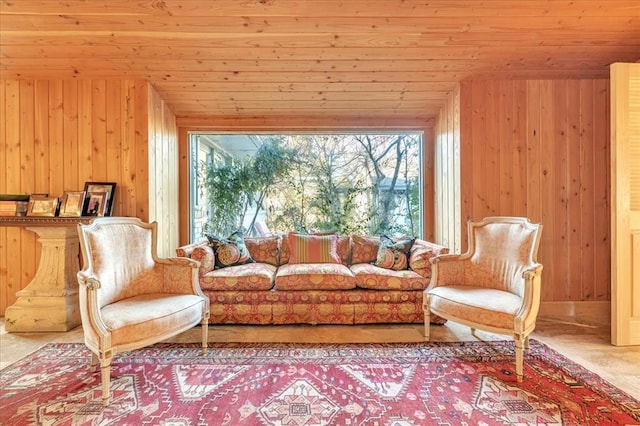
x,y
180,275
526,315
89,281
447,269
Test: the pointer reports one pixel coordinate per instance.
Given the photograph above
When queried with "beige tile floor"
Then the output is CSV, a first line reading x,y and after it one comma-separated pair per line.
x,y
582,340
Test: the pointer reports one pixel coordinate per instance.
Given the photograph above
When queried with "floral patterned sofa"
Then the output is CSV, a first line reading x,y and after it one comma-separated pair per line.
x,y
279,286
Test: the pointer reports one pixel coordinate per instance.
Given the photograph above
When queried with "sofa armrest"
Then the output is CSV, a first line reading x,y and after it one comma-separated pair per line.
x,y
421,254
186,250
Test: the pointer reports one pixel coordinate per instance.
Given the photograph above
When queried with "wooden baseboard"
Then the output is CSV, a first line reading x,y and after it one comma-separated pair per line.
x,y
597,310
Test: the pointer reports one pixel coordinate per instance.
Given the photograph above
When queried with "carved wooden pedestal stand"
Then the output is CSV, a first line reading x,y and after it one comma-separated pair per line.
x,y
50,301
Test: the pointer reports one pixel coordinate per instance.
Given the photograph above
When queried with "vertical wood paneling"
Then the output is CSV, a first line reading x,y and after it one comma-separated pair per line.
x,y
447,171
13,173
56,135
574,196
99,131
602,194
56,141
85,125
113,138
126,196
29,249
3,189
587,189
519,154
560,191
163,168
70,132
547,189
549,144
428,184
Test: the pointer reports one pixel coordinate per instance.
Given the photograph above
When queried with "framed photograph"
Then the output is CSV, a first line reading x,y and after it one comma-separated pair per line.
x,y
42,206
108,188
95,204
72,203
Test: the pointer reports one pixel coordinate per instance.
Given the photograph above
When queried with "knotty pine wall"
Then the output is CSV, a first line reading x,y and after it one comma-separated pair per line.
x,y
540,149
56,135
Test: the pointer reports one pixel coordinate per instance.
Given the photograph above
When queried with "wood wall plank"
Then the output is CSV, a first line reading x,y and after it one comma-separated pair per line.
x,y
548,140
3,190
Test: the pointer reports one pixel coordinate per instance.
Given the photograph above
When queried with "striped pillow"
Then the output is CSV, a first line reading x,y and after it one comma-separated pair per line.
x,y
313,248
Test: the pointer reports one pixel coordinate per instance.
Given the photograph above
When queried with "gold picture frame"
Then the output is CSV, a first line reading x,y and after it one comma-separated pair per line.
x,y
43,206
95,204
72,204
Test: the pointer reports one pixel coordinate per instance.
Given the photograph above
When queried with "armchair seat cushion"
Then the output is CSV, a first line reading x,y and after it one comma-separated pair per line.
x,y
478,305
376,278
250,276
150,315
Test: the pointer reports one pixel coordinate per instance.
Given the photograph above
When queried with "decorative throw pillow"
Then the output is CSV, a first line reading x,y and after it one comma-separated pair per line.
x,y
313,248
364,249
230,251
394,254
263,249
343,247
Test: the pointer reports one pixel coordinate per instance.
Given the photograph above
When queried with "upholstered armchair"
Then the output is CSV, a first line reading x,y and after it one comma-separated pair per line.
x,y
495,285
130,298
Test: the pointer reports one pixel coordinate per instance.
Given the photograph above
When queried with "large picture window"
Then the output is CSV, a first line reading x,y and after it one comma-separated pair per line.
x,y
275,183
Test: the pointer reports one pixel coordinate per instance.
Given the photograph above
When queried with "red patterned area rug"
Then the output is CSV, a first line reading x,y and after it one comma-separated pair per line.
x,y
468,383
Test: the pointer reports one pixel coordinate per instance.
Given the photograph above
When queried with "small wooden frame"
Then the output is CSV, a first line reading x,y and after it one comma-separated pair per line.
x,y
109,188
72,204
43,206
96,204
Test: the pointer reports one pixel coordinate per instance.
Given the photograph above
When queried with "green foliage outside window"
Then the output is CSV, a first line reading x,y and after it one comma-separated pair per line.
x,y
366,184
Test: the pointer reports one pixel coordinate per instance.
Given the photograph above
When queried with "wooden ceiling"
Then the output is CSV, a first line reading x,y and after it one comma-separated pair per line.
x,y
323,58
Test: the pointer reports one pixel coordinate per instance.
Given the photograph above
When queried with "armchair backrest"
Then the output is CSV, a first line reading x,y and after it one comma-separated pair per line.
x,y
501,248
120,252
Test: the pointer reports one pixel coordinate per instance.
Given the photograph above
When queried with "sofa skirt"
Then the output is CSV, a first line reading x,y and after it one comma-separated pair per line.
x,y
315,307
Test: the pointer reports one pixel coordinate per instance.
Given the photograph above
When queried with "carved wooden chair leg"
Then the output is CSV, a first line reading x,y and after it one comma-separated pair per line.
x,y
205,335
94,360
105,375
427,321
520,342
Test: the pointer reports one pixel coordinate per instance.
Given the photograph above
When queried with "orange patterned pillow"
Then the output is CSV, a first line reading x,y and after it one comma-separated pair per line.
x,y
364,250
313,248
263,249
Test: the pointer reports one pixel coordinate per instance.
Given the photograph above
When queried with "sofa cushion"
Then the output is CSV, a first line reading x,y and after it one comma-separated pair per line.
x,y
230,251
421,254
251,276
206,257
314,276
394,254
364,249
263,249
376,278
313,248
